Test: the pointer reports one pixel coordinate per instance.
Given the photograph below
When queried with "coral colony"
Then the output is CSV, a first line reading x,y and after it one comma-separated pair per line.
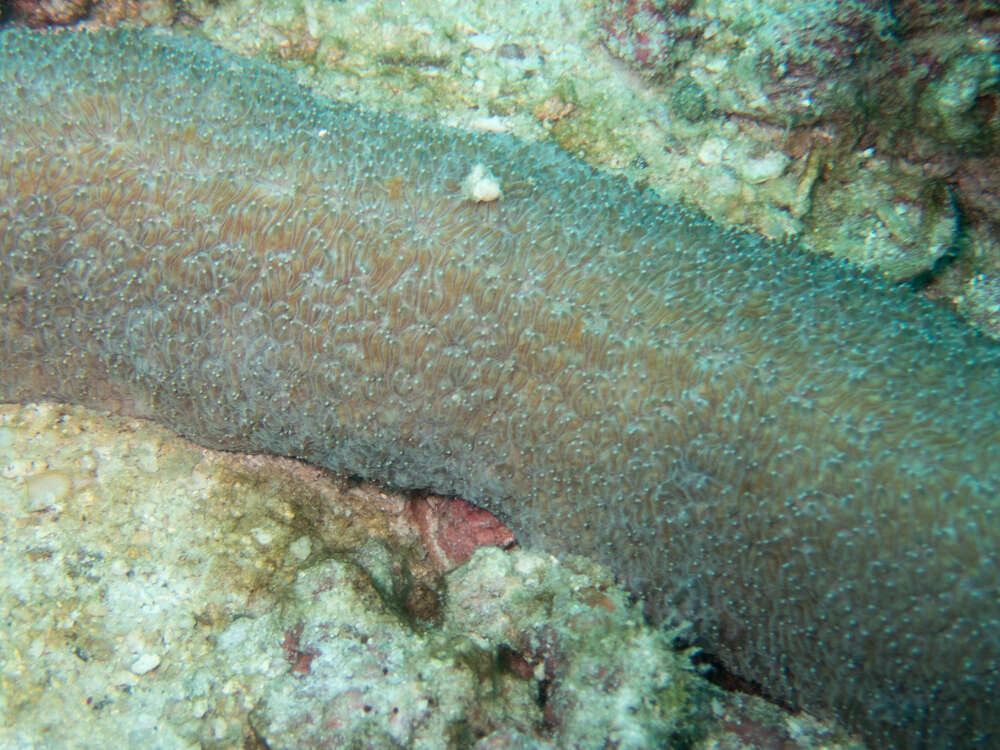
x,y
802,463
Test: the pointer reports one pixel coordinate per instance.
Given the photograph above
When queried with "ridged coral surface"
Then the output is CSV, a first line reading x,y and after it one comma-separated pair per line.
x,y
801,462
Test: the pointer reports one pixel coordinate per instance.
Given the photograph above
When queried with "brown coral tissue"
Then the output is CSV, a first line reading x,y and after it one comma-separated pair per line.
x,y
802,464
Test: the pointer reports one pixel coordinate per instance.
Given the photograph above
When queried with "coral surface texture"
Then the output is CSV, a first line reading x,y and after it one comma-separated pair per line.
x,y
802,463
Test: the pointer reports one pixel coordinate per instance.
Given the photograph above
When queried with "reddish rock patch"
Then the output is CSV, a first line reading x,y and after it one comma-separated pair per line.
x,y
452,529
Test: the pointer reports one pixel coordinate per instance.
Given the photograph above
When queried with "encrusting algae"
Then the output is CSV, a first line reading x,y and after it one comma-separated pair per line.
x,y
802,463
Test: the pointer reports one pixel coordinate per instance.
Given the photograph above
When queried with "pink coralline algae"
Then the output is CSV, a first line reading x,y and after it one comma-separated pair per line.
x,y
451,530
299,657
800,64
644,32
41,13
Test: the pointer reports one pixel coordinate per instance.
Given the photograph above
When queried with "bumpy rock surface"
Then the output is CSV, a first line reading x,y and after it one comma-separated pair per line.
x,y
155,594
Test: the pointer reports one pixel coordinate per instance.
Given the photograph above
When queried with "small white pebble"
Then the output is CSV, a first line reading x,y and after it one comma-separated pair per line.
x,y
717,708
145,663
483,42
119,567
263,536
492,124
219,728
300,548
87,463
47,488
186,622
711,151
717,64
765,168
527,566
480,186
